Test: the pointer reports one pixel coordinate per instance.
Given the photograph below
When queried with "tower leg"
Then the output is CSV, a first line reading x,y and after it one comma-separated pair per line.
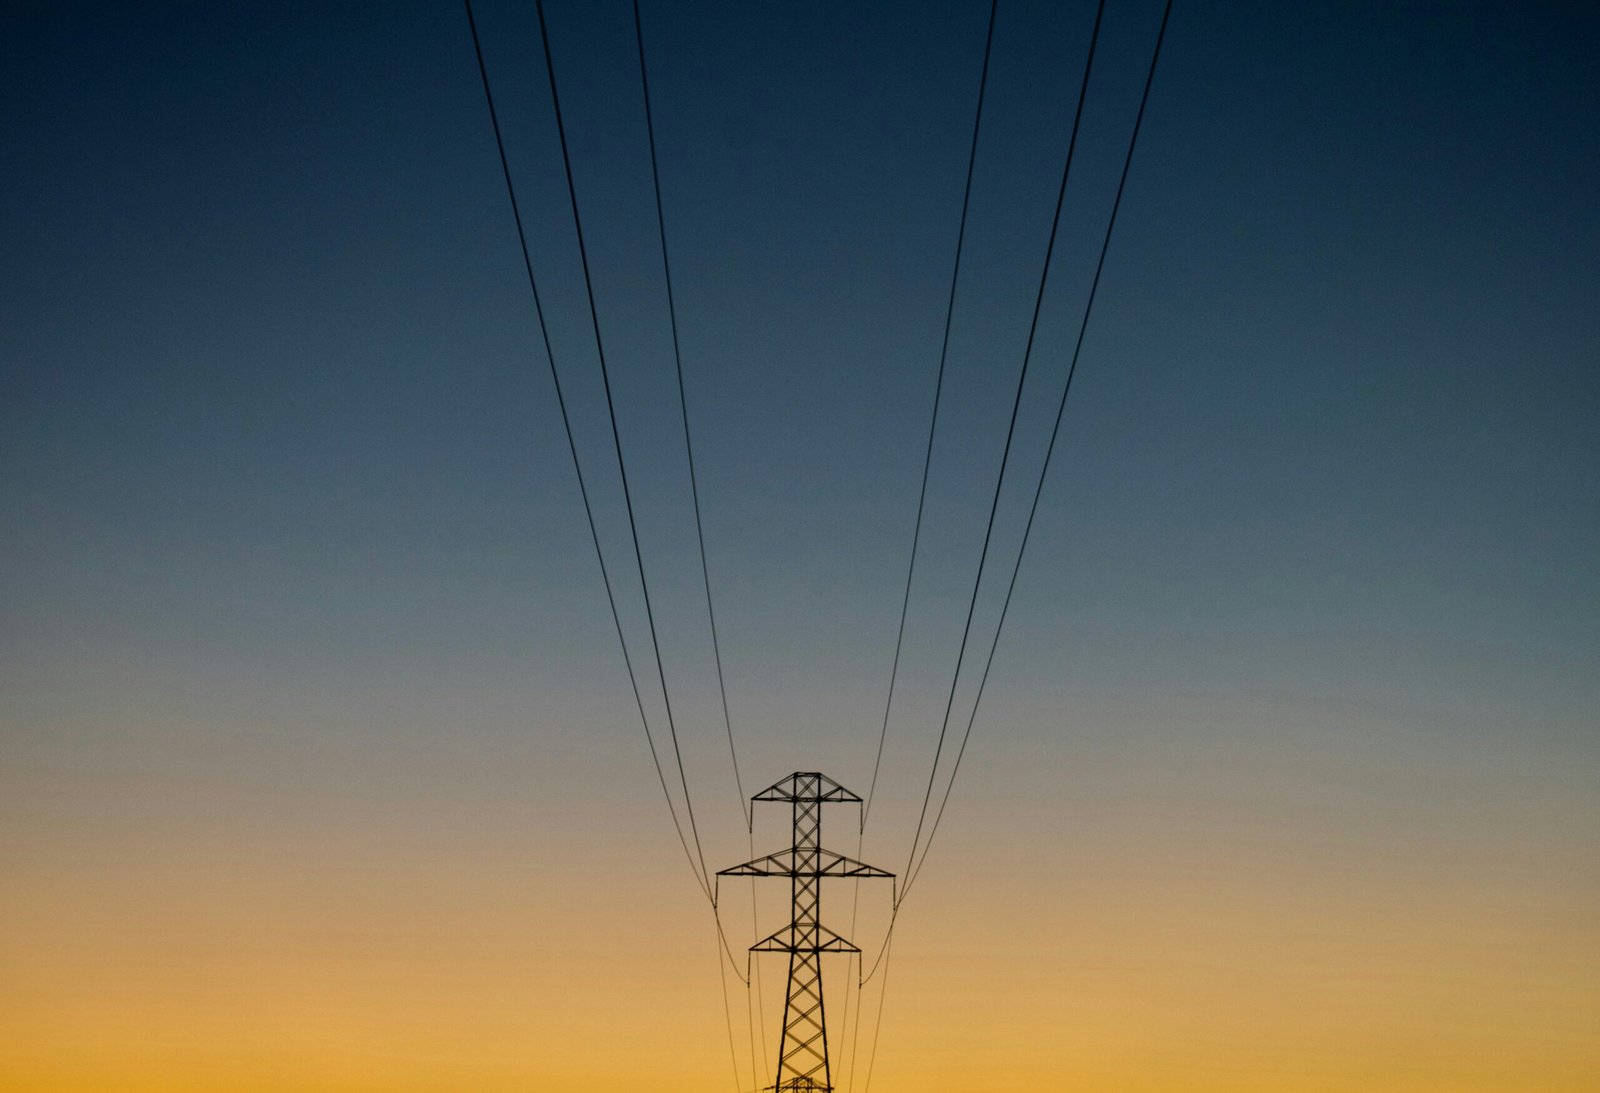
x,y
803,1054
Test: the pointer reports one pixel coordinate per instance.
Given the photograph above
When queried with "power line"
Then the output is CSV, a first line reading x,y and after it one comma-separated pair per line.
x,y
888,936
555,377
752,1016
616,435
922,497
753,975
1105,244
683,404
1055,431
877,1026
622,467
845,1042
572,447
914,863
933,424
745,808
733,1054
1016,405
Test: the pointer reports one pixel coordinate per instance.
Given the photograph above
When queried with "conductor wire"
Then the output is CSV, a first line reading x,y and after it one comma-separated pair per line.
x,y
922,496
1011,429
616,435
745,808
572,448
933,424
1055,432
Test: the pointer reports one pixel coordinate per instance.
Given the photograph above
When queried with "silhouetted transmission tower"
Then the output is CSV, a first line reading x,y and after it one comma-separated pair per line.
x,y
803,1048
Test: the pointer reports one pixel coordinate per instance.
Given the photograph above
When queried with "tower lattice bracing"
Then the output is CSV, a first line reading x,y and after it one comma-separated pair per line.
x,y
803,1049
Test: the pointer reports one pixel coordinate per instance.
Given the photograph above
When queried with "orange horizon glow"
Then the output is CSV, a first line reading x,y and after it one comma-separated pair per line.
x,y
1223,938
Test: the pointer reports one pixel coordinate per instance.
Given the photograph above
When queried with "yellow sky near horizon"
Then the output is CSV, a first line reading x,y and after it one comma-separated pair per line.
x,y
198,932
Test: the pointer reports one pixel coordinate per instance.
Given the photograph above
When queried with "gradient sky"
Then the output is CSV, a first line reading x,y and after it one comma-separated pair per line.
x,y
318,765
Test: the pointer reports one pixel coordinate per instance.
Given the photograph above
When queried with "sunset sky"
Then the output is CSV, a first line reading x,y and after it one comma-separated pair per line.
x,y
319,767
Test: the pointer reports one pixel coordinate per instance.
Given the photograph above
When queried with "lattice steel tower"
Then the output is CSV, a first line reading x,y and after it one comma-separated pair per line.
x,y
803,1048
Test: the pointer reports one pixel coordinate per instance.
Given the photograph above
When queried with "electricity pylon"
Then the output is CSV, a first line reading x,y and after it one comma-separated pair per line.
x,y
803,1048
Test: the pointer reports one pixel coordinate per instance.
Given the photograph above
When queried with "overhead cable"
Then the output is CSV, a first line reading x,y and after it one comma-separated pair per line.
x,y
922,497
1105,244
1011,429
746,809
727,1013
572,447
1055,432
877,1027
616,435
933,424
683,404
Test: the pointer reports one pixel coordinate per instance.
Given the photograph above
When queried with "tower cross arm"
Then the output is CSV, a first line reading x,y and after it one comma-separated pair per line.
x,y
804,938
796,862
807,787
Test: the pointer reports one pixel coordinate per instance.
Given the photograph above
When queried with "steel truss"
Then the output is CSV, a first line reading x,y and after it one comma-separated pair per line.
x,y
803,1049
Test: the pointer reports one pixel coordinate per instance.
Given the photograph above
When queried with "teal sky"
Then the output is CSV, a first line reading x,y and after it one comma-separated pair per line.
x,y
275,409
